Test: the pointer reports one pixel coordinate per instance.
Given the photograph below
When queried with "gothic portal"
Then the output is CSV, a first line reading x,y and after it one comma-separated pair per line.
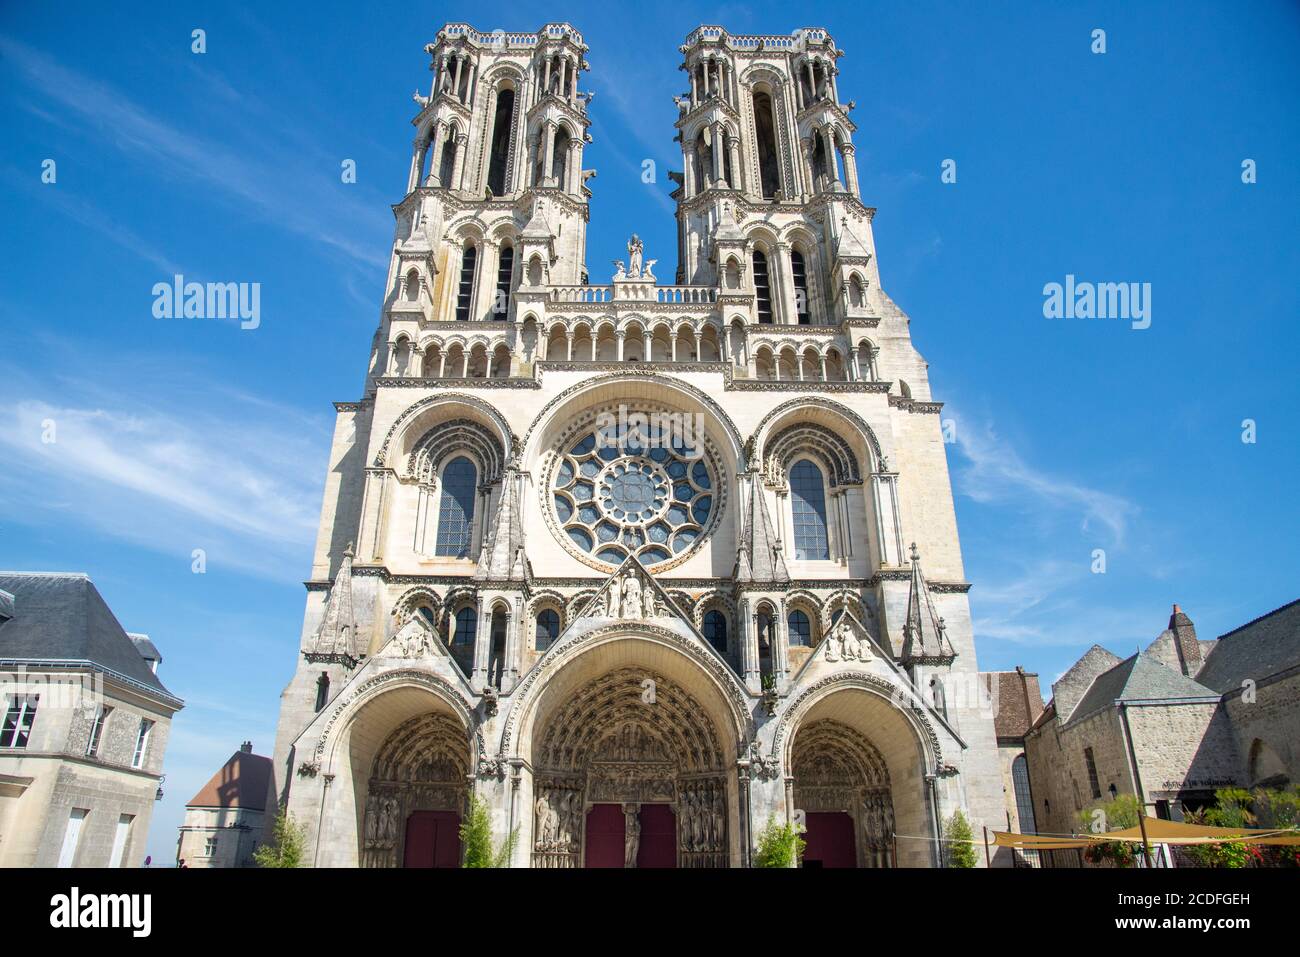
x,y
643,565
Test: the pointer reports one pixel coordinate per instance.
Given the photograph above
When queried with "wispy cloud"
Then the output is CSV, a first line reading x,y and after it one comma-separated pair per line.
x,y
995,473
280,188
241,481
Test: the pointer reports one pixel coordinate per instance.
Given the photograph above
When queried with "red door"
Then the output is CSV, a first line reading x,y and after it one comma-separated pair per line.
x,y
432,839
830,840
658,837
604,842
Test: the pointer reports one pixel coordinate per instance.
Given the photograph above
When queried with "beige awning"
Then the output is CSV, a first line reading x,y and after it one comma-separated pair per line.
x,y
1158,831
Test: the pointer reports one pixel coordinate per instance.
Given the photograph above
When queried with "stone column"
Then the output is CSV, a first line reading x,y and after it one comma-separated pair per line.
x,y
548,169
851,168
459,165
716,153
885,488
483,627
733,143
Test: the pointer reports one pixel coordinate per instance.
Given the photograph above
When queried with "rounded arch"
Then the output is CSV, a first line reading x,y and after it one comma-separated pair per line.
x,y
577,659
821,411
560,412
420,416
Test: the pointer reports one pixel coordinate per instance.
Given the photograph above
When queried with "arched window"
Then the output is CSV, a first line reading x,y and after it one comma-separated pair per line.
x,y
765,132
715,630
762,288
465,627
548,629
412,286
505,270
322,691
808,502
560,158
499,158
819,162
800,629
447,165
465,290
456,508
1024,798
799,271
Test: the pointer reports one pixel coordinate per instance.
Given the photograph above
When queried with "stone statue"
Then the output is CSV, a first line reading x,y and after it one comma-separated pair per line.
x,y
413,641
618,269
612,605
423,101
631,834
632,606
649,267
635,250
649,606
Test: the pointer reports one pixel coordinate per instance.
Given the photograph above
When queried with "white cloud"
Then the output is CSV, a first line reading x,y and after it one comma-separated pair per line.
x,y
241,481
996,474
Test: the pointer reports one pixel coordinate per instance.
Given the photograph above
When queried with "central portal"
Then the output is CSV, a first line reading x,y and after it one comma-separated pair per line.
x,y
629,773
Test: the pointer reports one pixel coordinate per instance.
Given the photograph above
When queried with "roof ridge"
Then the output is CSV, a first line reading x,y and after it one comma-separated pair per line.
x,y
1253,621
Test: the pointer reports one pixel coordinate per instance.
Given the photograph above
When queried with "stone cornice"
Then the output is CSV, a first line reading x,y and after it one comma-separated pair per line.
x,y
915,405
419,382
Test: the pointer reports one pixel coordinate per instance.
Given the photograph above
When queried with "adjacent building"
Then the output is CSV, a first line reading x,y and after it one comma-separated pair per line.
x,y
84,730
1018,702
1172,723
225,821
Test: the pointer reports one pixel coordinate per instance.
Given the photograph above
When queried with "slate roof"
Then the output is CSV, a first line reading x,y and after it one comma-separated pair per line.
x,y
1266,646
243,781
60,616
1138,678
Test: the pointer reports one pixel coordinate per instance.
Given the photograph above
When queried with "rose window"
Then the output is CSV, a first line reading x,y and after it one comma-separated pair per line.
x,y
635,495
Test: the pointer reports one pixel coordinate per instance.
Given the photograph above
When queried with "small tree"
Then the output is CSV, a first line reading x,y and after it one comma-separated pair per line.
x,y
476,836
959,844
286,847
779,845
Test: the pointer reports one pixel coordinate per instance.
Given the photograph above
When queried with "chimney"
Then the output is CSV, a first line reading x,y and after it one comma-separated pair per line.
x,y
1186,642
246,747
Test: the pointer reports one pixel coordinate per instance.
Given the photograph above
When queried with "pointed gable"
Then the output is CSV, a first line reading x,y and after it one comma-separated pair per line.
x,y
337,632
758,559
924,635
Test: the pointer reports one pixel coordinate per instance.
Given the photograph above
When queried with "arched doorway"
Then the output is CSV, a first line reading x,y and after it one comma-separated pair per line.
x,y
858,766
415,794
630,771
842,786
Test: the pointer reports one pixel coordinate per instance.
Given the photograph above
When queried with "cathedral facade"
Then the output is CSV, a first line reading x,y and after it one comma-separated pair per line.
x,y
644,565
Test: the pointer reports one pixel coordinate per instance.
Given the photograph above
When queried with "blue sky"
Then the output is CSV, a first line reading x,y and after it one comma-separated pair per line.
x,y
1072,435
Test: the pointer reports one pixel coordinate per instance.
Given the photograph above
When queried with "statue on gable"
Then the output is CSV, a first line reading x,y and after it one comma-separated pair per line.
x,y
635,254
413,641
632,604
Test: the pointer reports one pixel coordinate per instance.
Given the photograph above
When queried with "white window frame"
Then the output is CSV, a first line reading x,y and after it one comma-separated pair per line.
x,y
142,743
21,706
120,838
97,730
72,836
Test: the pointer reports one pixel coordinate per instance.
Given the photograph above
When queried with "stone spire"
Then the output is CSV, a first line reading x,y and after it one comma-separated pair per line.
x,y
502,556
924,637
337,632
759,557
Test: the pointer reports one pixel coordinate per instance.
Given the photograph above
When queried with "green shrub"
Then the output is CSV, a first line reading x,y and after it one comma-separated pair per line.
x,y
958,846
286,847
1113,815
779,845
476,838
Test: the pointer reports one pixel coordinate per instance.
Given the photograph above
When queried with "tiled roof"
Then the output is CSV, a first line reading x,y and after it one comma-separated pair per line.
x,y
62,617
244,781
1019,702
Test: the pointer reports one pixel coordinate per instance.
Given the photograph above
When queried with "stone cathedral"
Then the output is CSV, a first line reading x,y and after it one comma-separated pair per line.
x,y
643,564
